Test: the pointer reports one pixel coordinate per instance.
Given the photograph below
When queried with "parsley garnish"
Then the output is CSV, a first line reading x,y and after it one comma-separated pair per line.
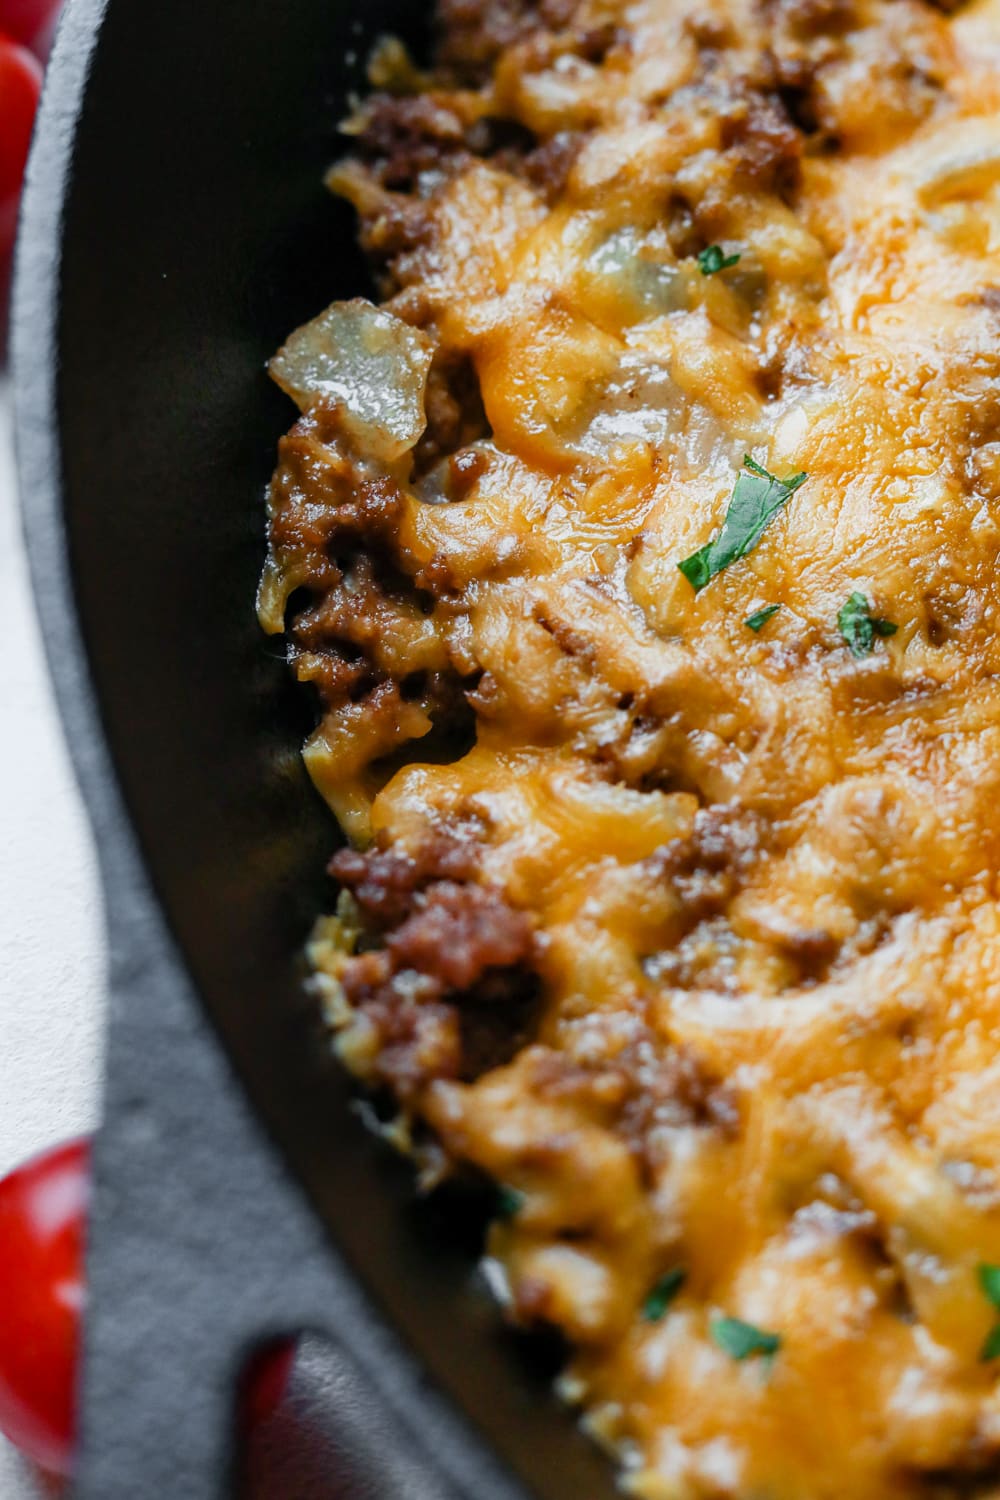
x,y
509,1202
663,1294
713,258
859,626
757,498
989,1280
741,1340
760,617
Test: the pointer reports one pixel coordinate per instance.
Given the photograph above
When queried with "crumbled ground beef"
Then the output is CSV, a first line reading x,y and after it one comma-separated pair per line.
x,y
707,867
455,415
548,166
451,991
404,136
458,932
475,32
319,496
666,1088
764,142
386,882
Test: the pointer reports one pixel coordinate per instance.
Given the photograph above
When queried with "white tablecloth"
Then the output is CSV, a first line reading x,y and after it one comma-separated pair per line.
x,y
51,939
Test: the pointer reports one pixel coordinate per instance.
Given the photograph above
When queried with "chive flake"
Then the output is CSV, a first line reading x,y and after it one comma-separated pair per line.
x,y
859,627
663,1294
760,617
742,1340
989,1281
509,1202
757,497
713,258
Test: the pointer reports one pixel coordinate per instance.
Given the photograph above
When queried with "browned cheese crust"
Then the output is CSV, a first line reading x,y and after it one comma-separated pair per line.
x,y
686,932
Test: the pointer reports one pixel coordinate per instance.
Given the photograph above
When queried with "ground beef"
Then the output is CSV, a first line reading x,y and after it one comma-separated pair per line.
x,y
475,32
764,143
330,672
455,415
549,165
451,992
319,496
406,147
458,932
393,238
645,1090
707,868
843,78
404,136
804,33
667,1090
386,882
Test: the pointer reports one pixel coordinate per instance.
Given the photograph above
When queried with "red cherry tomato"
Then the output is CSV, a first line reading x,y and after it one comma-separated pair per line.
x,y
43,1210
29,22
20,84
42,1213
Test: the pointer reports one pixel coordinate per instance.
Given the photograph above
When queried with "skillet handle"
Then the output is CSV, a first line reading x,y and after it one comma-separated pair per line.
x,y
199,1247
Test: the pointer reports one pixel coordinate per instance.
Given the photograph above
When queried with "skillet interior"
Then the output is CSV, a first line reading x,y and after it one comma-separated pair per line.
x,y
197,233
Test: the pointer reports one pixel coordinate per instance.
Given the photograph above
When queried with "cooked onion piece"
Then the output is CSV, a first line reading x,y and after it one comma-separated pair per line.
x,y
370,363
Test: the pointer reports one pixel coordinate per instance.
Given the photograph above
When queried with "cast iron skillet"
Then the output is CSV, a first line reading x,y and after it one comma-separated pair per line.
x,y
175,229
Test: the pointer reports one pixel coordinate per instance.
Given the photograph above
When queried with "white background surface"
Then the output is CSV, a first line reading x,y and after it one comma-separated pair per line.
x,y
51,937
51,926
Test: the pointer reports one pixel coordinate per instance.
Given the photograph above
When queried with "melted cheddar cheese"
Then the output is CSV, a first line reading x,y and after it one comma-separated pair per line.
x,y
748,880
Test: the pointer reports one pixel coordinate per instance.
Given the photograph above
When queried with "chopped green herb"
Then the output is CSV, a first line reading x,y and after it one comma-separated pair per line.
x,y
713,258
989,1280
741,1340
859,626
509,1202
757,498
663,1294
760,617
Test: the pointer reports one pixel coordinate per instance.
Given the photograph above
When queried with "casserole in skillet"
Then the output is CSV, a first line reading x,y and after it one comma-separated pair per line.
x,y
641,549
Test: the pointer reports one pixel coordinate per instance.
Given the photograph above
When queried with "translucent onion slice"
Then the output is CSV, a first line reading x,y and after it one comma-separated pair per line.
x,y
648,286
371,363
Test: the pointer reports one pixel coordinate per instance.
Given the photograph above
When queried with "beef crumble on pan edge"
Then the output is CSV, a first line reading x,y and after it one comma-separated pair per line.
x,y
644,551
